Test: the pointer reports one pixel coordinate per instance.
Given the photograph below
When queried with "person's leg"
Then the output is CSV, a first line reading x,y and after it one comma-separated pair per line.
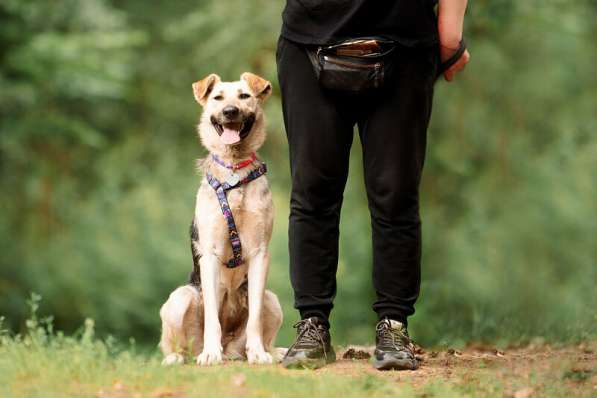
x,y
319,132
393,126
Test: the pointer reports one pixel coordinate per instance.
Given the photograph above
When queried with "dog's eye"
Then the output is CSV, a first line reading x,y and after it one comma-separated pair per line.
x,y
218,98
244,96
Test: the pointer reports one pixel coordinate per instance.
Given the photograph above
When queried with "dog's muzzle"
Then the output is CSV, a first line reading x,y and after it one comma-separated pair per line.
x,y
233,132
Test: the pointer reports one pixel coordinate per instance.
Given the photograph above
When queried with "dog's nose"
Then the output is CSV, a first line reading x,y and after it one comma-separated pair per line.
x,y
230,111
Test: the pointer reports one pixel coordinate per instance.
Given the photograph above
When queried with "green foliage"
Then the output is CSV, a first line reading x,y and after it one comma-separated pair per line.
x,y
97,180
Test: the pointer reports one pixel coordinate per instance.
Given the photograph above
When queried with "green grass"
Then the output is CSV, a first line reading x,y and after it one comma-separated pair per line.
x,y
44,363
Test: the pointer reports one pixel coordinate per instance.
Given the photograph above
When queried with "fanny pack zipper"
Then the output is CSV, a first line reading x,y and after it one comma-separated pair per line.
x,y
376,65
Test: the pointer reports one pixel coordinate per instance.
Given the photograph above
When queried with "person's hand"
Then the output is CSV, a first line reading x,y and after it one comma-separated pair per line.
x,y
450,19
445,53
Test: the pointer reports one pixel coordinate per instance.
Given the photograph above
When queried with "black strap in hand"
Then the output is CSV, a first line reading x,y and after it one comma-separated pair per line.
x,y
444,66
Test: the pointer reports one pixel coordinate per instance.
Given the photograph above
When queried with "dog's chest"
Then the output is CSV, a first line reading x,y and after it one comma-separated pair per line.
x,y
236,199
251,209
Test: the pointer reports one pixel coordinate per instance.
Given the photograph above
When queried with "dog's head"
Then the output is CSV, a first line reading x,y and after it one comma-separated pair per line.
x,y
232,115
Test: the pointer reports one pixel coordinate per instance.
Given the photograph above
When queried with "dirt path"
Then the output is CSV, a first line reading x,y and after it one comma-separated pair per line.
x,y
477,371
520,372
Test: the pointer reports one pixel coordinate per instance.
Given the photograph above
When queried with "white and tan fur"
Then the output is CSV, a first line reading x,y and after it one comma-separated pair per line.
x,y
227,313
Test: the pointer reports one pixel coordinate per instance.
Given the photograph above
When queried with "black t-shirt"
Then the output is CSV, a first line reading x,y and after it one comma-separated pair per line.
x,y
409,22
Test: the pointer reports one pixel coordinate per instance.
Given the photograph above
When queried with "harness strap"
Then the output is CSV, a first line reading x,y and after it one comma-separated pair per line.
x,y
221,189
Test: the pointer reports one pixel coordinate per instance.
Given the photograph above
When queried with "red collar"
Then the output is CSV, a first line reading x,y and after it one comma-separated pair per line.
x,y
236,166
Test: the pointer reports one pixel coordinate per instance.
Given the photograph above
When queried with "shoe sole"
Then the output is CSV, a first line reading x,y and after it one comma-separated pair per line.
x,y
314,363
394,364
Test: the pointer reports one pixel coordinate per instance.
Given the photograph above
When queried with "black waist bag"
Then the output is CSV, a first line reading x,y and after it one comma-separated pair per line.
x,y
353,65
361,64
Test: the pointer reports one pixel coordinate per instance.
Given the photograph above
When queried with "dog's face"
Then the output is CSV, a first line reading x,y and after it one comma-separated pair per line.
x,y
232,114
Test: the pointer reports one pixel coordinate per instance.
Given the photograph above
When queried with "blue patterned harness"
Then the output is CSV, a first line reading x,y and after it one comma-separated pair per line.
x,y
221,188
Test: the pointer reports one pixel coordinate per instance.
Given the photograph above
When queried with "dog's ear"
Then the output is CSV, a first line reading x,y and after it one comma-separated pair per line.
x,y
259,86
203,87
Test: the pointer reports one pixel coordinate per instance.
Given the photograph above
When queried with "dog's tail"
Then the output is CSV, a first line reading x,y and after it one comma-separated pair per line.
x,y
195,276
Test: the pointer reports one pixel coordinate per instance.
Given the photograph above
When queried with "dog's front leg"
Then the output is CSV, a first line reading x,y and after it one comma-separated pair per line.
x,y
257,274
212,331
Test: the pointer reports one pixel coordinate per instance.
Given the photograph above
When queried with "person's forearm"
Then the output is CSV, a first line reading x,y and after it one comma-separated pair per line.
x,y
450,22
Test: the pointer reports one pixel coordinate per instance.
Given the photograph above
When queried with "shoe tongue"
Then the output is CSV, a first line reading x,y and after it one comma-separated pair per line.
x,y
230,133
396,324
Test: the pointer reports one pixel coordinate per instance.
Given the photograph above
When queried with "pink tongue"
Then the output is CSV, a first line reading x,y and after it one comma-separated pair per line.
x,y
229,136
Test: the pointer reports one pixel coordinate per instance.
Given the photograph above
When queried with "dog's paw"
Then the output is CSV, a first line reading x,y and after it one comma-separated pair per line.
x,y
209,357
173,359
279,353
259,356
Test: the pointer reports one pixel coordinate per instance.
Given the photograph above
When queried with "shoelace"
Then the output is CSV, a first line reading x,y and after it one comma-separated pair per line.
x,y
390,336
308,332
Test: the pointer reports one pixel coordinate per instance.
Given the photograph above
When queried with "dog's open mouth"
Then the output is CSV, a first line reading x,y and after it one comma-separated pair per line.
x,y
233,132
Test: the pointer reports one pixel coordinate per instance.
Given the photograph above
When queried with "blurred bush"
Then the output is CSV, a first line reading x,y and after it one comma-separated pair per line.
x,y
97,149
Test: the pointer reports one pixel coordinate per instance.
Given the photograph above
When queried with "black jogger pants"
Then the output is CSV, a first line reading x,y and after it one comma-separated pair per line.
x,y
392,125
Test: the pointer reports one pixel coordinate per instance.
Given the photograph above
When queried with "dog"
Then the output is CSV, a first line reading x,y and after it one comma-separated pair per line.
x,y
225,312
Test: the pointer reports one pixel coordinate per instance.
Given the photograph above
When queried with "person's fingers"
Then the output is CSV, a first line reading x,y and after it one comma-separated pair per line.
x,y
462,61
466,57
451,72
457,67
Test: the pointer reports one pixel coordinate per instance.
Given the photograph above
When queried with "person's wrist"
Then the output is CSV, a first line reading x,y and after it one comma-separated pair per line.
x,y
450,38
450,32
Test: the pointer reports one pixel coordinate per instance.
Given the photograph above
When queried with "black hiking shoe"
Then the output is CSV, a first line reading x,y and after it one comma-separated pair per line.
x,y
393,347
312,348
